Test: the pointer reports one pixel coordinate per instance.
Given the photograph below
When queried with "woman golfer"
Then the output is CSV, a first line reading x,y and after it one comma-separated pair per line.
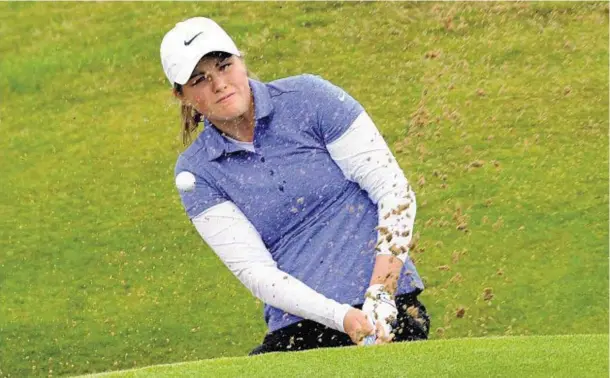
x,y
295,190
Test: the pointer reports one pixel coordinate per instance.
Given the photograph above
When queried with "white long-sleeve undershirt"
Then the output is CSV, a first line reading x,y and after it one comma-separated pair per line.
x,y
364,157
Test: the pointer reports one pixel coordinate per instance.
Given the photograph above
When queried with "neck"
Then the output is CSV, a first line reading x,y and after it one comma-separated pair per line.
x,y
240,128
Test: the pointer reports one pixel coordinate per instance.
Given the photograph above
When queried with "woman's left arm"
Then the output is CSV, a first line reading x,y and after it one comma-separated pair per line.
x,y
365,158
359,150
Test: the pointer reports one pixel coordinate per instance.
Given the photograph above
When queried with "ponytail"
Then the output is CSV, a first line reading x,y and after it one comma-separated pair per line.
x,y
190,121
190,118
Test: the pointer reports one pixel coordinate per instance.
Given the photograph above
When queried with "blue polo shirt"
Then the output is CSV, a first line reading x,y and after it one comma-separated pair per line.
x,y
317,225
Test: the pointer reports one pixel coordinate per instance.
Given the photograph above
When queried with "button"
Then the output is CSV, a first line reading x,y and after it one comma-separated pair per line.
x,y
271,172
281,188
262,159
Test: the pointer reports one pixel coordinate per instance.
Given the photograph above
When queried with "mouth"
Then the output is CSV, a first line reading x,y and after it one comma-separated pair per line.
x,y
225,98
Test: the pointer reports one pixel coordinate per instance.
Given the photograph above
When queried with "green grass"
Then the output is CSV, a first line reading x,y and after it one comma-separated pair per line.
x,y
101,270
514,356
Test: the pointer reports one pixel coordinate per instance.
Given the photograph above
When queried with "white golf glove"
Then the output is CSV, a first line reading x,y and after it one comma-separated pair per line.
x,y
380,307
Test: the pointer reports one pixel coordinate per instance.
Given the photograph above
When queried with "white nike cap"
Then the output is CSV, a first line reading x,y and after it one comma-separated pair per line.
x,y
184,45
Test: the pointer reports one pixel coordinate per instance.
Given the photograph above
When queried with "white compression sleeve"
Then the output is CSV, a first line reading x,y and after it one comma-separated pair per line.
x,y
237,243
365,158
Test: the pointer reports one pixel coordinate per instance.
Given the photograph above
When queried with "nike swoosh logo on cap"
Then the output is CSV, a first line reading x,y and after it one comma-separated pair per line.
x,y
186,43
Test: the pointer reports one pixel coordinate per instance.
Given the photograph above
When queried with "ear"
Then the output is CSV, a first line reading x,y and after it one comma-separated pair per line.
x,y
177,94
180,97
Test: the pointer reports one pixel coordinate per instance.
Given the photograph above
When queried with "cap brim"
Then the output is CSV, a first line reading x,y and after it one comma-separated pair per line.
x,y
192,61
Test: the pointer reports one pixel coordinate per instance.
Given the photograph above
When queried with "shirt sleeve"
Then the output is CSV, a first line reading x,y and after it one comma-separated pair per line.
x,y
365,158
336,110
237,243
203,196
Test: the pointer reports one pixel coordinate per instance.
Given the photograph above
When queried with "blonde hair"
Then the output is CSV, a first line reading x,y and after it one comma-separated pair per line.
x,y
190,121
190,117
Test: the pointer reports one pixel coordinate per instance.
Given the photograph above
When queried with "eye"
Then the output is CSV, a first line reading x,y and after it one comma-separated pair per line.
x,y
198,79
225,66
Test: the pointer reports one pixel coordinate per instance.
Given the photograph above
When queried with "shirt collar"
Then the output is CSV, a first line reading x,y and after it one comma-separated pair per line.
x,y
215,144
263,106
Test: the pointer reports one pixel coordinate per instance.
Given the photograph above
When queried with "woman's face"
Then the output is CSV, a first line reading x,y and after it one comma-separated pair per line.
x,y
218,88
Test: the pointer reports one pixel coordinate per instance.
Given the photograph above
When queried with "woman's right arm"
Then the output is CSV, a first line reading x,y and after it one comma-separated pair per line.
x,y
240,247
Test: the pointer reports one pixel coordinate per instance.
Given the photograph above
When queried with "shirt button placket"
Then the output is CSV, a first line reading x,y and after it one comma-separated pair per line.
x,y
257,147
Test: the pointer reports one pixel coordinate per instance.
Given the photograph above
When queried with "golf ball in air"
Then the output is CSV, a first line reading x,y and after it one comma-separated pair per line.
x,y
185,181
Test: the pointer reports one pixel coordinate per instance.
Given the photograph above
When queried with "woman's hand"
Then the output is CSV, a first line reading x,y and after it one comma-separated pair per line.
x,y
380,306
357,325
382,336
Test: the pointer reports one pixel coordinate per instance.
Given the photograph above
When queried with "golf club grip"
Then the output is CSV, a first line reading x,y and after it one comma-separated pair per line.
x,y
370,340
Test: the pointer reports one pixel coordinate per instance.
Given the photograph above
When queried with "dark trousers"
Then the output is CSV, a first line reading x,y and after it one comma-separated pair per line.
x,y
413,323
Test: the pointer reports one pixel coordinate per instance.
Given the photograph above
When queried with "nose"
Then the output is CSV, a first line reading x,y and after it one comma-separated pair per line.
x,y
219,83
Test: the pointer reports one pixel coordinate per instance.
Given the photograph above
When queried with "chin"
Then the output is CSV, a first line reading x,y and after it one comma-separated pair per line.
x,y
230,114
225,117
